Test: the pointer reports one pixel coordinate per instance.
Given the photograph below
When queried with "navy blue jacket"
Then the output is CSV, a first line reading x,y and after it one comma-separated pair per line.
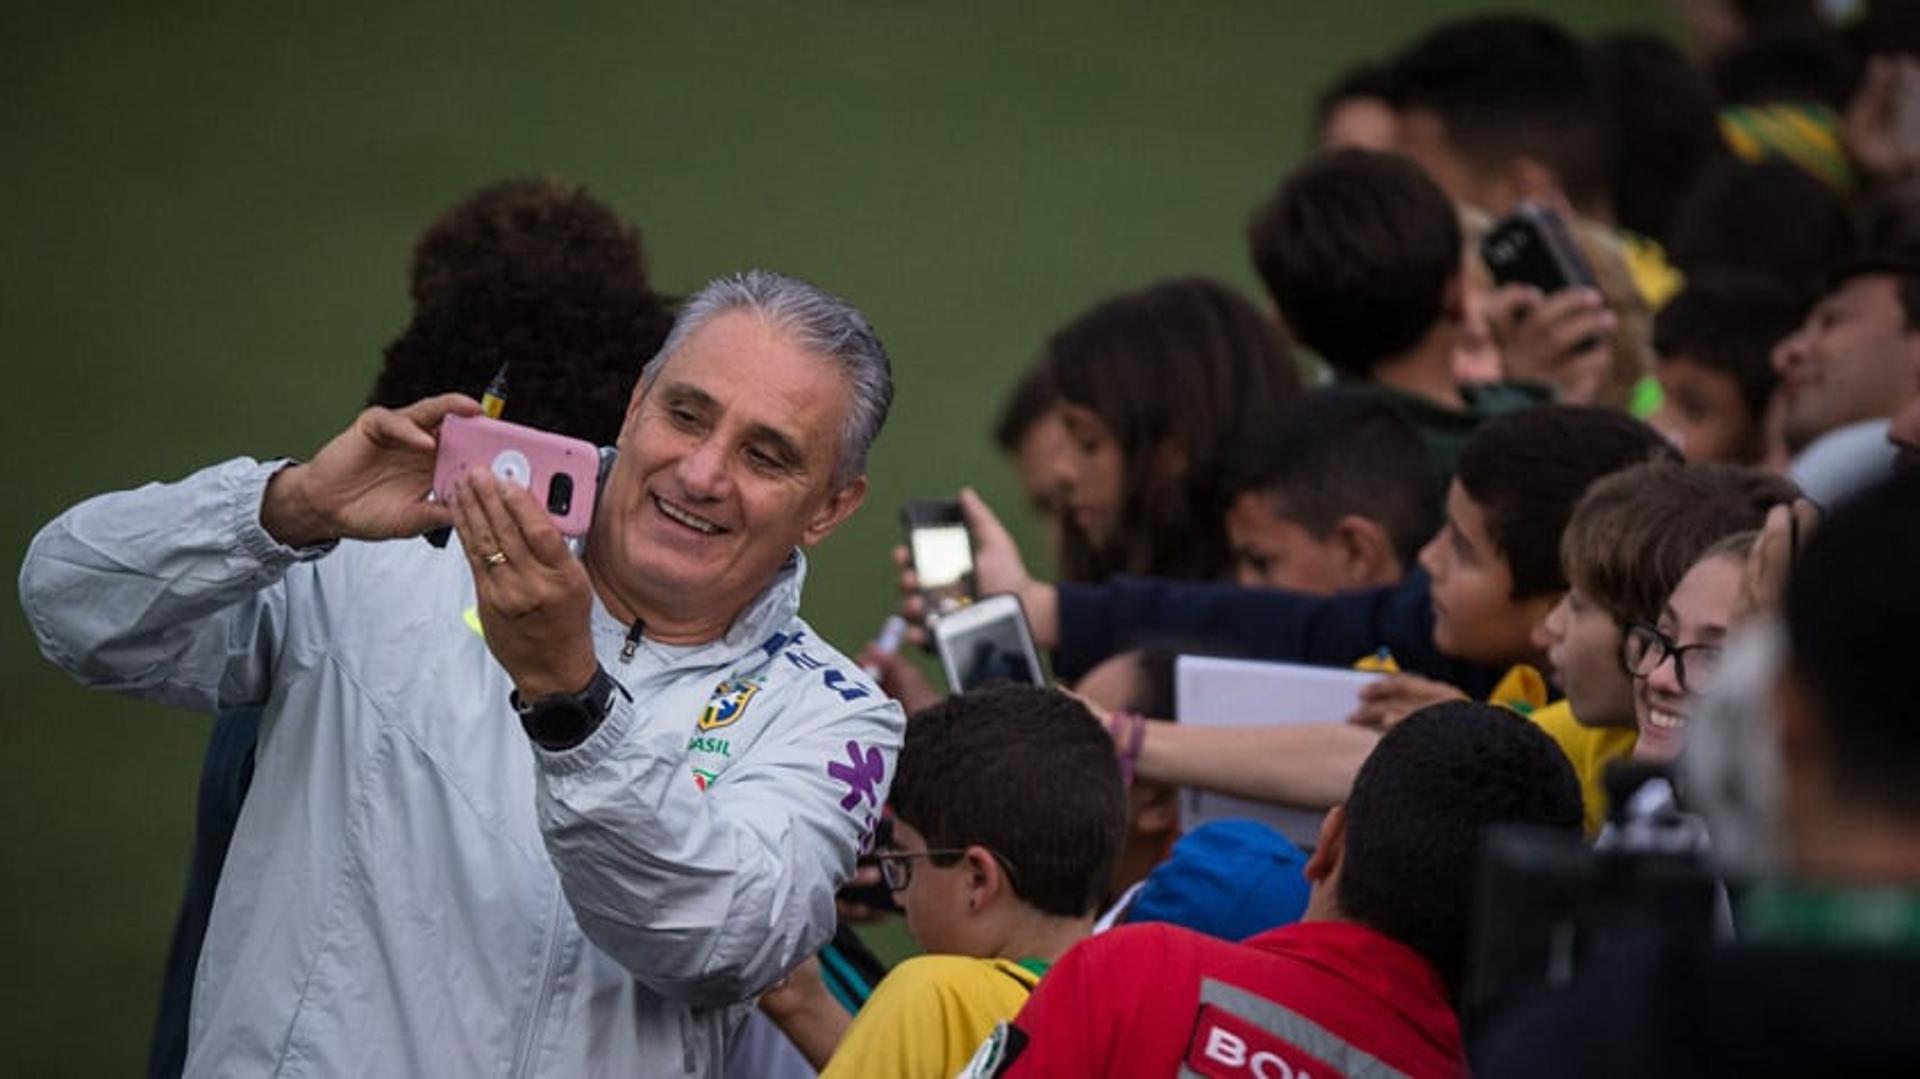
x,y
1097,621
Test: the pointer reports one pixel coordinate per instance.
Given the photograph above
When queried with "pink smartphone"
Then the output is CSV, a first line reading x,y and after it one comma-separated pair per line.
x,y
559,471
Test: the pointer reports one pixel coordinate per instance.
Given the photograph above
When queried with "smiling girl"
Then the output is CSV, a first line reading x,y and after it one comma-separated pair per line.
x,y
1673,661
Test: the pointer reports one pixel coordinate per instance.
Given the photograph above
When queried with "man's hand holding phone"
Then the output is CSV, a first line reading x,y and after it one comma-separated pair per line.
x,y
533,596
369,483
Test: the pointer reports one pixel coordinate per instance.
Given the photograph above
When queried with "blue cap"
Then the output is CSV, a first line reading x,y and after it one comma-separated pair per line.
x,y
1228,879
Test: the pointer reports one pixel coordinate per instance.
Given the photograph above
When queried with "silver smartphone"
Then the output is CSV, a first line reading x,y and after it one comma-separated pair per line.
x,y
985,642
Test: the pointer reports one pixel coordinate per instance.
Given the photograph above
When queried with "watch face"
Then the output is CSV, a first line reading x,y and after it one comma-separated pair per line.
x,y
562,722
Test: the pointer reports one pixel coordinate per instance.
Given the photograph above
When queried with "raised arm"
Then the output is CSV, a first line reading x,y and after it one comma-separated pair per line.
x,y
369,483
1085,624
167,591
1259,623
1306,765
1303,765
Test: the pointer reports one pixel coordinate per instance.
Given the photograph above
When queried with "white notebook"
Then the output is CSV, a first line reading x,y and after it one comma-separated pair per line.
x,y
1212,692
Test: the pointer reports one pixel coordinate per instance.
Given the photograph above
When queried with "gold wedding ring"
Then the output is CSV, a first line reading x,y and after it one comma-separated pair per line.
x,y
497,558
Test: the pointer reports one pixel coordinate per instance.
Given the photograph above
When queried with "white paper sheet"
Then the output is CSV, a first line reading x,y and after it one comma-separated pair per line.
x,y
1211,692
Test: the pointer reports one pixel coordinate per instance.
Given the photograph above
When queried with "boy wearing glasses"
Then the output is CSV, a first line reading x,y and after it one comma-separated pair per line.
x,y
1008,811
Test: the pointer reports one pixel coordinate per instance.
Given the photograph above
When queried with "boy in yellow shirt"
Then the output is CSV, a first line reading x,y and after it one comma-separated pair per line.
x,y
1008,810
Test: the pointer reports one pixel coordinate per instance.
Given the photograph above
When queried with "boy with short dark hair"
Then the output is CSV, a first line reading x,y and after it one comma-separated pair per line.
x,y
1007,815
1715,227
1496,563
1361,254
1713,346
1331,493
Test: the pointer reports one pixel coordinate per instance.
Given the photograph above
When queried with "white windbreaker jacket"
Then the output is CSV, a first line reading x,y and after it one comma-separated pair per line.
x,y
414,889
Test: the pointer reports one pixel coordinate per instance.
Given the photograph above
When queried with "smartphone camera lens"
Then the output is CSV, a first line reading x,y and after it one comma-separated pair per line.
x,y
560,494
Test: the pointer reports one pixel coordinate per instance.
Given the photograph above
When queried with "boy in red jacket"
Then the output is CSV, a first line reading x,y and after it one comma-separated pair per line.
x,y
1366,980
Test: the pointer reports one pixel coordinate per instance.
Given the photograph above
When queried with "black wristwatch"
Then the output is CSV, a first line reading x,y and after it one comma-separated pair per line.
x,y
564,720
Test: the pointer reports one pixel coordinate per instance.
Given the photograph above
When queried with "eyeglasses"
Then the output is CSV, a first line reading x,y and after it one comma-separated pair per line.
x,y
896,866
1644,648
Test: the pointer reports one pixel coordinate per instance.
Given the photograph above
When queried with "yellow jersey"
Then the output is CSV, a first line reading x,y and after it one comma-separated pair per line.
x,y
929,1014
1590,749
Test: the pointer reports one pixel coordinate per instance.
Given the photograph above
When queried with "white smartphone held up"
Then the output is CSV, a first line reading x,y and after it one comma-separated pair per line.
x,y
987,641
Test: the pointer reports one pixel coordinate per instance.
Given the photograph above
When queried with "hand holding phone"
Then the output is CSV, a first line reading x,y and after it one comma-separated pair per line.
x,y
987,641
1555,329
1532,246
941,549
562,473
367,482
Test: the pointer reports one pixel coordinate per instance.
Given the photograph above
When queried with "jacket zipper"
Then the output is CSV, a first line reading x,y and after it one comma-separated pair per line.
x,y
543,993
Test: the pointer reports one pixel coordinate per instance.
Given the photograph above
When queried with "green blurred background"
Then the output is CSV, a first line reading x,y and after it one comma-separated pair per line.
x,y
206,214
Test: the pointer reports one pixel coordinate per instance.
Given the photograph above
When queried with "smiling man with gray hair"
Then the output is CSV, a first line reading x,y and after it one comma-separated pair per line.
x,y
427,883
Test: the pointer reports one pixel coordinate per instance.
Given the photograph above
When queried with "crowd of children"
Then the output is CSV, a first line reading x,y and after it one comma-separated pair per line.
x,y
1566,501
